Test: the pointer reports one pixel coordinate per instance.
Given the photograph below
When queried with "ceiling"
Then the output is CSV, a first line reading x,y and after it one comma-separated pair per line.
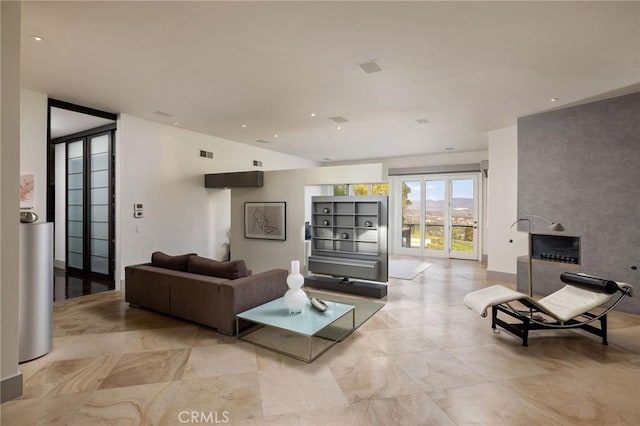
x,y
466,68
65,122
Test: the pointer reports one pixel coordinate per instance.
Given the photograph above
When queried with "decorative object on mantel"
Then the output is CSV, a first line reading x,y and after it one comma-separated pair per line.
x,y
295,299
265,221
553,226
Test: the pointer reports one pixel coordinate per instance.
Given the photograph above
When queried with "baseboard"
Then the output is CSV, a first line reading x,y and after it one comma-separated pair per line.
x,y
11,387
504,277
485,258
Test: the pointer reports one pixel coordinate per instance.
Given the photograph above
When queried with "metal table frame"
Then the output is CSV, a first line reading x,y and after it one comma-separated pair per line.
x,y
310,358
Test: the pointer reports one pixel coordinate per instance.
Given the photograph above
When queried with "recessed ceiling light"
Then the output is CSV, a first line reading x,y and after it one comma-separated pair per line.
x,y
449,148
338,127
244,125
175,123
37,37
313,114
554,99
275,136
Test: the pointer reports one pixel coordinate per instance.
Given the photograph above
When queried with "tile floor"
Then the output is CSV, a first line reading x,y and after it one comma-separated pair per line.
x,y
423,359
68,285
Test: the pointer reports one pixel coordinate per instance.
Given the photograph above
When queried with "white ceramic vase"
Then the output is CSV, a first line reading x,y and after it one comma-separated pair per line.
x,y
295,299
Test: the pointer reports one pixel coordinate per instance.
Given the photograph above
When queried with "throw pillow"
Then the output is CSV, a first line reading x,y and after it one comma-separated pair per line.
x,y
177,263
231,270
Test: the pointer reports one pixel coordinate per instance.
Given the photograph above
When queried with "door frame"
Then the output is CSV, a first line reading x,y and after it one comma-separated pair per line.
x,y
51,162
396,223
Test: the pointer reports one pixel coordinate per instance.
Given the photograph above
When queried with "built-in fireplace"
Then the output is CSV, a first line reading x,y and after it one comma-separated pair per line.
x,y
555,248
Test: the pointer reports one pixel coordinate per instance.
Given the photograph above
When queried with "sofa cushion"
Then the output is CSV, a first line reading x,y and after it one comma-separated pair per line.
x,y
177,263
231,270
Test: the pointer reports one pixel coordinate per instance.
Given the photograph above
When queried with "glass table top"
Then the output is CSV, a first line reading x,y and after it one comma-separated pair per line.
x,y
307,322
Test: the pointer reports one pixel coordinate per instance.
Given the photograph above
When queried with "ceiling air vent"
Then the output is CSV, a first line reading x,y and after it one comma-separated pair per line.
x,y
339,119
370,67
422,121
262,141
163,114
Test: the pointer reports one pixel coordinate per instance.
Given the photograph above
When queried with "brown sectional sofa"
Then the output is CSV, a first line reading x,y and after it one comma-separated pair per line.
x,y
169,285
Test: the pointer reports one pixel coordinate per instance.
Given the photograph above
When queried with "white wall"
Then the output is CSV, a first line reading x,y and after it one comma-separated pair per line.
x,y
288,186
33,146
9,197
159,165
502,200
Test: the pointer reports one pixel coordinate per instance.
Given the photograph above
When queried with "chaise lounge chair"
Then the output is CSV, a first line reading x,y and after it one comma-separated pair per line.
x,y
566,308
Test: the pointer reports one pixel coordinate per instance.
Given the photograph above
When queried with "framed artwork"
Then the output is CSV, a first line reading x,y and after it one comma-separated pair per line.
x,y
27,186
265,221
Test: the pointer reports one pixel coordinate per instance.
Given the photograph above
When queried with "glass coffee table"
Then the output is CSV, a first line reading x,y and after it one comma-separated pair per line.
x,y
304,336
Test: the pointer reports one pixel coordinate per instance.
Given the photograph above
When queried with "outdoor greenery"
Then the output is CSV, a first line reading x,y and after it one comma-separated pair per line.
x,y
362,189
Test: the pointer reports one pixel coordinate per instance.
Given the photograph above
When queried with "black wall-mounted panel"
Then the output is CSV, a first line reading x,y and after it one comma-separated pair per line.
x,y
252,179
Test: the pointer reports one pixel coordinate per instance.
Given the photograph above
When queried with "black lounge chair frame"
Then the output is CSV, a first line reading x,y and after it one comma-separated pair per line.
x,y
528,320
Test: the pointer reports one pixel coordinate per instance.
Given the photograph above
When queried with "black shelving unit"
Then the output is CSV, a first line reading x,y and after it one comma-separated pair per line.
x,y
349,238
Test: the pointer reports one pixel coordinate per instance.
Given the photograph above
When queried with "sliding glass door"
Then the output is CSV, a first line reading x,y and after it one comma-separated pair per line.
x,y
440,216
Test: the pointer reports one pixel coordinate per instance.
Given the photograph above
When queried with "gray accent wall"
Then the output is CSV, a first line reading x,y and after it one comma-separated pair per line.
x,y
580,166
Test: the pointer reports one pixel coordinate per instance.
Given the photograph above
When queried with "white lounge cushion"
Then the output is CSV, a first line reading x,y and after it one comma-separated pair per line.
x,y
570,301
479,301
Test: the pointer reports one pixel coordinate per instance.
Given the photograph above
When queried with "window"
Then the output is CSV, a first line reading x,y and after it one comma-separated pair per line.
x,y
380,189
341,189
361,189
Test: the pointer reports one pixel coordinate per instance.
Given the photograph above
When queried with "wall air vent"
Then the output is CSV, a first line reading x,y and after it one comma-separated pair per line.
x,y
370,66
339,119
205,154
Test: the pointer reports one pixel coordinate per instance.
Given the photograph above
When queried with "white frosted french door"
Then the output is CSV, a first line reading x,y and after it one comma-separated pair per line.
x,y
90,207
